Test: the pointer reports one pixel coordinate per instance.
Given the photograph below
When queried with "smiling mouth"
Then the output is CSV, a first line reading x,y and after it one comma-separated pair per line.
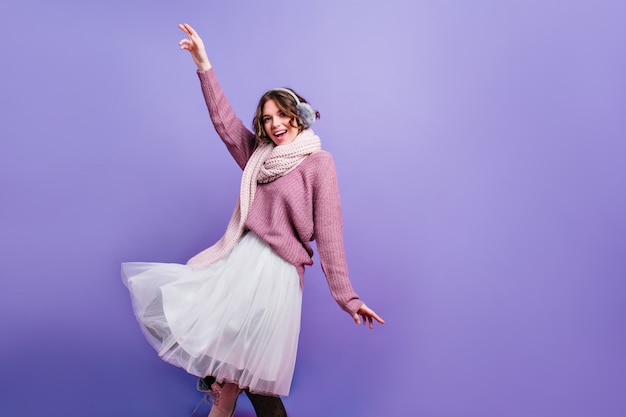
x,y
280,134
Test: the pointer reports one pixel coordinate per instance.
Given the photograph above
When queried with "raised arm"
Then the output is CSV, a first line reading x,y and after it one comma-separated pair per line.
x,y
239,140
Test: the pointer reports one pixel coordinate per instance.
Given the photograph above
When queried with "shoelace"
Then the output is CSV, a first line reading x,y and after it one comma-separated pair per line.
x,y
203,399
215,393
206,385
208,398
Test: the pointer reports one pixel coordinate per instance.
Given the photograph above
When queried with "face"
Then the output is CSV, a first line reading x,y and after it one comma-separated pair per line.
x,y
277,124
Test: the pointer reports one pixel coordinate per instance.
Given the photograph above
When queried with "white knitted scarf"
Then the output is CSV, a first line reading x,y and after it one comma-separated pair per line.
x,y
267,163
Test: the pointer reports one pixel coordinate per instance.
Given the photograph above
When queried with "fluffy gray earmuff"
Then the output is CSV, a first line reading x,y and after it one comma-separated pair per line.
x,y
305,111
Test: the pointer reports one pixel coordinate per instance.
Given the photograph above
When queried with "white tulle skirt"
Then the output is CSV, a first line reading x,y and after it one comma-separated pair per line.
x,y
237,319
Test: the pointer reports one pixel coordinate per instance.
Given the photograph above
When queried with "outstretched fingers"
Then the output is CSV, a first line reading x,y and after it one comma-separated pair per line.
x,y
193,43
367,316
186,43
187,29
190,32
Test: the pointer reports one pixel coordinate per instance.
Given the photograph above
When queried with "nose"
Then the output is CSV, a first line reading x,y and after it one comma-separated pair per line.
x,y
275,121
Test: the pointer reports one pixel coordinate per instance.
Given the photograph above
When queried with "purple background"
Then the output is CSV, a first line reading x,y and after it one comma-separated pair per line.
x,y
481,153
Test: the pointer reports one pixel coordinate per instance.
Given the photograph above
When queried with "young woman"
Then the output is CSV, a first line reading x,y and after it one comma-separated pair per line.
x,y
231,315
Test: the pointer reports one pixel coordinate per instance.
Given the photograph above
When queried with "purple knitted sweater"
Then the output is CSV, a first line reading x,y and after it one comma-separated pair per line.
x,y
293,210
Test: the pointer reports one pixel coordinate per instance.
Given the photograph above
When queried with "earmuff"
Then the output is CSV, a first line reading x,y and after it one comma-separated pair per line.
x,y
305,111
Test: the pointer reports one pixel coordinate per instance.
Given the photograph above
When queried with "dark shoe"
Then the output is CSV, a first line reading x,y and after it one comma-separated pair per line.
x,y
204,384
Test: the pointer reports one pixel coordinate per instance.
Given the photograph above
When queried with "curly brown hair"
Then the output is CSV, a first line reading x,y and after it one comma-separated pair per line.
x,y
286,104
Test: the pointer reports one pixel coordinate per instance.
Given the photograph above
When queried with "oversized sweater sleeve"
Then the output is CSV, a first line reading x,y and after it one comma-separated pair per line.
x,y
238,139
328,229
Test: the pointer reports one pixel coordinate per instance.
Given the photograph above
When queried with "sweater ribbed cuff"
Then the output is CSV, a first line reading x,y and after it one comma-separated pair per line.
x,y
353,306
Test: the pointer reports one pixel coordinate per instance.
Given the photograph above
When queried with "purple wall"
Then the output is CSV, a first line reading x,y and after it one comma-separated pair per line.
x,y
482,158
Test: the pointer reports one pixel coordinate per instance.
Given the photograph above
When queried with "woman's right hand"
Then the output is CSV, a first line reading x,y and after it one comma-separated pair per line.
x,y
195,46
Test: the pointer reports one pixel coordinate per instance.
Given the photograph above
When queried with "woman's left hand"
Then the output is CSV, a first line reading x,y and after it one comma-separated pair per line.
x,y
368,316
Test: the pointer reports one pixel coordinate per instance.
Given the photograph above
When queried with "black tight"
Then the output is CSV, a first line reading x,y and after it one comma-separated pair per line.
x,y
266,406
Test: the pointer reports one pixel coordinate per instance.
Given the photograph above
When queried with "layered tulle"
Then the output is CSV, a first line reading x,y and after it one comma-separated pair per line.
x,y
237,319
